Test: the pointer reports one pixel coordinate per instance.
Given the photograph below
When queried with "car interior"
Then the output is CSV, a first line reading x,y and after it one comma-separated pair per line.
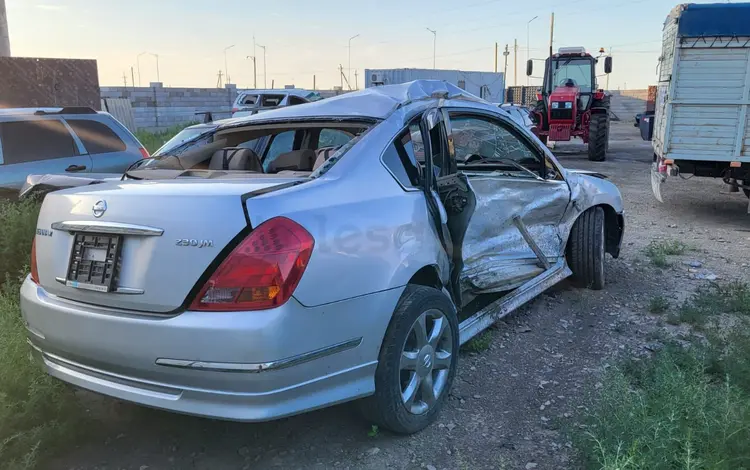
x,y
287,150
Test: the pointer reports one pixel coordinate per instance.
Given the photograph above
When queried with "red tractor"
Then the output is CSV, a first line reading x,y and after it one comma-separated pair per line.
x,y
570,105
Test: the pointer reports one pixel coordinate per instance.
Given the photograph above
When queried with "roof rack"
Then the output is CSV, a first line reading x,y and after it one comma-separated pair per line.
x,y
67,110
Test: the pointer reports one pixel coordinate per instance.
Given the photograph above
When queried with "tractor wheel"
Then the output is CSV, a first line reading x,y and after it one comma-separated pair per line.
x,y
598,136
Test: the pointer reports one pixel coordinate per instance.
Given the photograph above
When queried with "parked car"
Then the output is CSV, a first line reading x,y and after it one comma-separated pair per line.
x,y
521,114
73,140
256,101
271,284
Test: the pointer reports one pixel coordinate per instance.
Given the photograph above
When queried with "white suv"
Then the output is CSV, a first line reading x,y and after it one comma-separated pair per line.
x,y
251,102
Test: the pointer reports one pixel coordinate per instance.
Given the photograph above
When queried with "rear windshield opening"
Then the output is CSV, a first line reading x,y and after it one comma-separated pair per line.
x,y
287,149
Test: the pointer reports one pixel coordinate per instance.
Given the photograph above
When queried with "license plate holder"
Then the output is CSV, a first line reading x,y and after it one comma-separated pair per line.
x,y
94,262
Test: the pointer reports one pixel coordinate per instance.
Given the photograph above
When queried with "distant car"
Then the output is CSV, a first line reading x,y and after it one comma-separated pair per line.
x,y
251,102
73,140
310,274
521,115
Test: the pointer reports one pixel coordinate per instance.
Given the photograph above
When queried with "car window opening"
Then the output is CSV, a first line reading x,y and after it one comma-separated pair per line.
x,y
279,149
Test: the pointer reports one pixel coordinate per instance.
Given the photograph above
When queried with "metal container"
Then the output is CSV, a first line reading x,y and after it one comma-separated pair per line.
x,y
487,85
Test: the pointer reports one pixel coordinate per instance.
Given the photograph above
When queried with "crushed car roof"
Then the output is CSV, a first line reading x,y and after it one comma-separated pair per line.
x,y
376,102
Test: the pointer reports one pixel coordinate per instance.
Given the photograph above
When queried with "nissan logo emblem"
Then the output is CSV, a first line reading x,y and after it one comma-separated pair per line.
x,y
99,208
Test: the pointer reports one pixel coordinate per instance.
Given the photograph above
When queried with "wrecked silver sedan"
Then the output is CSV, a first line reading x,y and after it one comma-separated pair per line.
x,y
312,255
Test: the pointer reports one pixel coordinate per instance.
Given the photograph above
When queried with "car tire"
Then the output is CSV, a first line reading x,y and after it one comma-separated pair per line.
x,y
598,137
586,247
393,406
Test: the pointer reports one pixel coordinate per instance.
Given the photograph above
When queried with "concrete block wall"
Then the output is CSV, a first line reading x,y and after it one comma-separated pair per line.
x,y
156,108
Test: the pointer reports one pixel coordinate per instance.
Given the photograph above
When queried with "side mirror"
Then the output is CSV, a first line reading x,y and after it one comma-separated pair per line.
x,y
608,64
529,67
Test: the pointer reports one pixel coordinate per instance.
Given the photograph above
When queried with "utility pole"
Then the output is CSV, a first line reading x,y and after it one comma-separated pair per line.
x,y
528,48
255,72
314,83
506,53
343,78
124,80
132,76
218,82
434,46
515,62
356,81
4,35
265,70
495,57
551,33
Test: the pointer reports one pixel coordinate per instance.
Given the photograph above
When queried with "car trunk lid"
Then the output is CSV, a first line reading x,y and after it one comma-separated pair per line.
x,y
138,246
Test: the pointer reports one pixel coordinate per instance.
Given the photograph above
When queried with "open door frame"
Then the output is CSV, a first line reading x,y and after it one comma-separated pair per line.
x,y
450,199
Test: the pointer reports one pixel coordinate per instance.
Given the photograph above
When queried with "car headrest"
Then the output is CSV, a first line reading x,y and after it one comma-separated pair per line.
x,y
235,158
323,154
297,160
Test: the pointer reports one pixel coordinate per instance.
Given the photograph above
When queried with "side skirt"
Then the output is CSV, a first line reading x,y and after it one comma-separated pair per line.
x,y
484,318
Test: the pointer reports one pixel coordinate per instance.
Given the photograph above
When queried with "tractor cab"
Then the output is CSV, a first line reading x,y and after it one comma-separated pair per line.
x,y
569,99
571,72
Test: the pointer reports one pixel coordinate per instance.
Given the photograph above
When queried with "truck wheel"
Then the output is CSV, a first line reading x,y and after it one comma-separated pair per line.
x,y
746,191
598,137
585,253
417,362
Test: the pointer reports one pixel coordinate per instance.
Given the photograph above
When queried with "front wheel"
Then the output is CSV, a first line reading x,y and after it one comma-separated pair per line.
x,y
586,246
598,137
417,362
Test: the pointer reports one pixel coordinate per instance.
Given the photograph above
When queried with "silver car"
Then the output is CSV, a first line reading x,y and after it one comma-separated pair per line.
x,y
70,141
254,289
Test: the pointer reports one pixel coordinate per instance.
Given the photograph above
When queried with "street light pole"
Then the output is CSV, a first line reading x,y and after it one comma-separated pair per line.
x,y
349,78
138,65
157,66
434,46
528,47
226,66
255,72
265,70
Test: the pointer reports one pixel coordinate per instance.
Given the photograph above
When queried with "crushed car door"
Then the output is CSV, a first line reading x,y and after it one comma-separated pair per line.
x,y
450,198
514,234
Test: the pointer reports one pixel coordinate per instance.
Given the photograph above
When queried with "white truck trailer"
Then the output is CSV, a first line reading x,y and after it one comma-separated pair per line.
x,y
701,125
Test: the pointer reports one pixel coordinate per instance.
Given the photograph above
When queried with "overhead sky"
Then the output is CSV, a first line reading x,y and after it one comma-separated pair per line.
x,y
190,36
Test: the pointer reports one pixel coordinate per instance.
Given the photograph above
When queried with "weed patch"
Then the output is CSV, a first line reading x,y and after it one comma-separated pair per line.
x,y
479,343
37,412
668,412
658,305
658,250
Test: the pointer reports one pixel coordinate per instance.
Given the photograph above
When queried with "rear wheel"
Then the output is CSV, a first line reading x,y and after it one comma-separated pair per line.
x,y
417,362
598,137
585,253
746,191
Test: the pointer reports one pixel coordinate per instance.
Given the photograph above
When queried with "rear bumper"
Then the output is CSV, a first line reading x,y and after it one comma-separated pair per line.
x,y
245,366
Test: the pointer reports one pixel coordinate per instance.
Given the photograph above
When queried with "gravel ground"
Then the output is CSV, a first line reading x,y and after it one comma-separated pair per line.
x,y
511,404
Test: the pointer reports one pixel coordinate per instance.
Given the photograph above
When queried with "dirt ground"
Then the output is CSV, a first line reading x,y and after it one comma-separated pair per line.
x,y
511,404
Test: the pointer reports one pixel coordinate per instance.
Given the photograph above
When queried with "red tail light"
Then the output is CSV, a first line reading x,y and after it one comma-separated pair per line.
x,y
261,272
234,110
34,271
144,153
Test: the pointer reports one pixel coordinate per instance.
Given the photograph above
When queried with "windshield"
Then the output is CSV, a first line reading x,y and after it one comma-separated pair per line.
x,y
572,72
183,136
